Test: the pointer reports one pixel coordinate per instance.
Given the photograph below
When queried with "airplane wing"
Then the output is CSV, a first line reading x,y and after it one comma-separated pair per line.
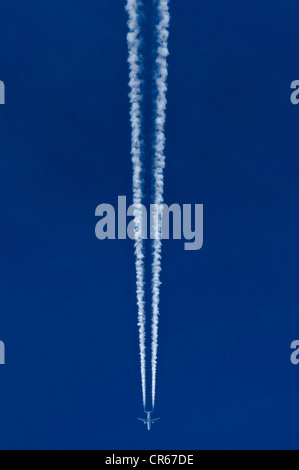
x,y
143,420
156,419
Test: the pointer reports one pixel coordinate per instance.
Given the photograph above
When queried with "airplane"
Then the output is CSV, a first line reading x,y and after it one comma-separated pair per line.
x,y
148,421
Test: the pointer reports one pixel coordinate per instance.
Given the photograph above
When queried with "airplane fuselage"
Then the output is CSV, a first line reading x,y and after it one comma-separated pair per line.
x,y
149,421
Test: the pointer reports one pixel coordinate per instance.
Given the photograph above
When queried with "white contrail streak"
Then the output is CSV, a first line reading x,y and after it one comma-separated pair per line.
x,y
159,164
135,95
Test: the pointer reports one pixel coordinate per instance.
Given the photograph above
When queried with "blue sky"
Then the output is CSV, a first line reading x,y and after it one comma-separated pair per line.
x,y
229,312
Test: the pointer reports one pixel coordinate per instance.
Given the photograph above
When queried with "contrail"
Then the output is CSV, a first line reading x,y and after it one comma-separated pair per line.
x,y
158,170
135,95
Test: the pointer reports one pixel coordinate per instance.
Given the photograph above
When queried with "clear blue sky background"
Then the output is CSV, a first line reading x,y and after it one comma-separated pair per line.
x,y
229,311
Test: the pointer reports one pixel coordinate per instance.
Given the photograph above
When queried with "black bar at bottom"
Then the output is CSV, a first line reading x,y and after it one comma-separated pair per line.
x,y
155,458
